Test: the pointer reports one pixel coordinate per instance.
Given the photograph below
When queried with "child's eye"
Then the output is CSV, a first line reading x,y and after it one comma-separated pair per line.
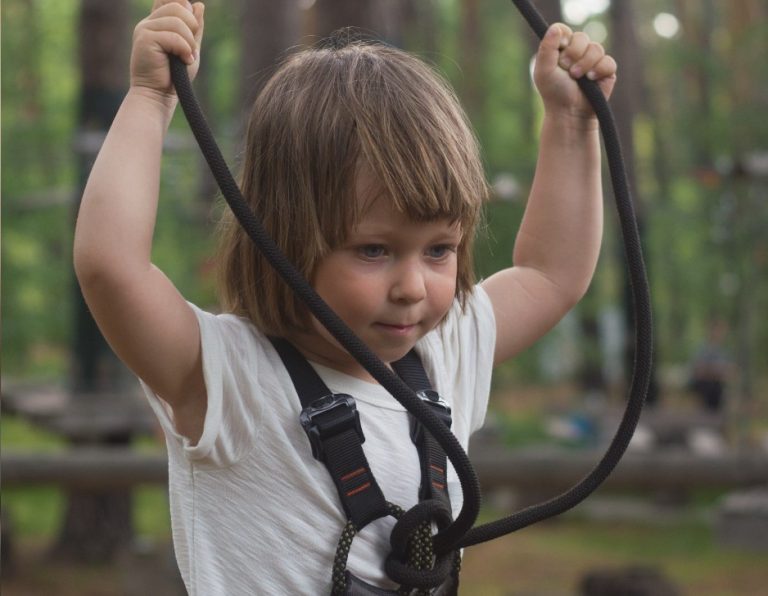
x,y
440,251
371,251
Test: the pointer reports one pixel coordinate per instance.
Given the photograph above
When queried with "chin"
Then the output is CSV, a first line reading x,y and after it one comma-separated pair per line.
x,y
390,355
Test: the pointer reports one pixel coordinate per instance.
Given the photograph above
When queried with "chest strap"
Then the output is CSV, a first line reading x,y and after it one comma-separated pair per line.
x,y
432,458
332,424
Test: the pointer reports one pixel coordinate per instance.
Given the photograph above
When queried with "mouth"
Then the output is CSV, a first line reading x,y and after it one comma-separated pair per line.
x,y
396,329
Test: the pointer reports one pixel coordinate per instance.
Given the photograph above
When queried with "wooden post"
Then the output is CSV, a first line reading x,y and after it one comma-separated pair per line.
x,y
97,525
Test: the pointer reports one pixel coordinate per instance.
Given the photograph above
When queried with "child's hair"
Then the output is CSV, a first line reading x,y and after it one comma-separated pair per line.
x,y
327,113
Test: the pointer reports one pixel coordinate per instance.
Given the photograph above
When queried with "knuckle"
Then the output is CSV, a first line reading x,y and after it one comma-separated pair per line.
x,y
139,35
139,29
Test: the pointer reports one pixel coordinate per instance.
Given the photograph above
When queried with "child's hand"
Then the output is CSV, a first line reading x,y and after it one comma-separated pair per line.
x,y
563,57
173,26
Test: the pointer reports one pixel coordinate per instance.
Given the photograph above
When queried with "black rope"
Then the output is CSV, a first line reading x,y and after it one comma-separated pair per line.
x,y
329,319
458,533
642,320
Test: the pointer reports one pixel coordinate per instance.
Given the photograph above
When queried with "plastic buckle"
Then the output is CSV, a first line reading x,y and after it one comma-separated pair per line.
x,y
327,417
439,406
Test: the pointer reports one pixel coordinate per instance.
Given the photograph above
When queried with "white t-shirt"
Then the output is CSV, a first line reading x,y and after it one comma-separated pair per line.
x,y
252,511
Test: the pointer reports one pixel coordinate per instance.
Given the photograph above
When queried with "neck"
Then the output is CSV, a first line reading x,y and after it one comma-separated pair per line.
x,y
330,354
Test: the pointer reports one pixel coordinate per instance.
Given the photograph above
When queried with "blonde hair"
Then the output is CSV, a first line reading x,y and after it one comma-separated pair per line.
x,y
325,114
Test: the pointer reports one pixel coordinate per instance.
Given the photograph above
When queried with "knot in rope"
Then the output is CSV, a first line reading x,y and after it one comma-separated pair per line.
x,y
412,561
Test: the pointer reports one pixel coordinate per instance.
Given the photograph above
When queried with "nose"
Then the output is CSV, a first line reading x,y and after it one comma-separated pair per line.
x,y
408,283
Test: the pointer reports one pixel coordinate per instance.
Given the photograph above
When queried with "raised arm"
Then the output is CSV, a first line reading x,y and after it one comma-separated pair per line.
x,y
139,311
558,243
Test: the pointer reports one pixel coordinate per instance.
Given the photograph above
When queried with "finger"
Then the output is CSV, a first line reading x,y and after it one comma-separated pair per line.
x,y
173,25
555,37
588,60
171,42
199,12
605,68
176,10
565,34
160,3
574,50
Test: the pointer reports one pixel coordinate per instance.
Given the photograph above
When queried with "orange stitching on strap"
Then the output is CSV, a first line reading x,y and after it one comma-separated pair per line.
x,y
359,489
353,474
437,468
438,486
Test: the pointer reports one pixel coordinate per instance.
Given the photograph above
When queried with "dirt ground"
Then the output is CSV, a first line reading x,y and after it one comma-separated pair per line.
x,y
516,565
533,562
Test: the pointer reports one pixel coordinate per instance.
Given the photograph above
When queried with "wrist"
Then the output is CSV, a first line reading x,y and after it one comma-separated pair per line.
x,y
162,103
571,119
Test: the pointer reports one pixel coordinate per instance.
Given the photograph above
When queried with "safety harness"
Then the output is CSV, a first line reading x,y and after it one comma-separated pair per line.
x,y
332,424
459,532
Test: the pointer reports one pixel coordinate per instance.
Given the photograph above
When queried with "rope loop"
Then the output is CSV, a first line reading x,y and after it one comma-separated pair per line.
x,y
459,533
412,561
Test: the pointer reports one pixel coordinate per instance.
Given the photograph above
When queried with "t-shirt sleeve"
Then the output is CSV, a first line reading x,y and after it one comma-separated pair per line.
x,y
233,355
460,352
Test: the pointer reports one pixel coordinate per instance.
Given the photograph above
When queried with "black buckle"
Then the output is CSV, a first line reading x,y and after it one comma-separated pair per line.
x,y
439,406
327,417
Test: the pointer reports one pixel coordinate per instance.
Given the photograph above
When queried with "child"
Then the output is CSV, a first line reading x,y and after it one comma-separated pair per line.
x,y
364,170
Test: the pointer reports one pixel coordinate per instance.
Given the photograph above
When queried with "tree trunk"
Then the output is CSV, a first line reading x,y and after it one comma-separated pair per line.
x,y
420,27
104,55
96,526
267,30
471,59
747,94
550,10
698,25
378,19
552,13
625,101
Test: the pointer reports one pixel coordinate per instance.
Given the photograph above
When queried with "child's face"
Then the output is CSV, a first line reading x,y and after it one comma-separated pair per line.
x,y
392,281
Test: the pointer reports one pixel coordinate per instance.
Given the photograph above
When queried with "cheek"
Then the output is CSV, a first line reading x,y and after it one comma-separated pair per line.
x,y
349,294
443,291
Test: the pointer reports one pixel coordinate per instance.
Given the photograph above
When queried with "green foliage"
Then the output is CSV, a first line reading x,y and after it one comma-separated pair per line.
x,y
522,429
151,513
34,512
17,433
37,512
39,82
700,108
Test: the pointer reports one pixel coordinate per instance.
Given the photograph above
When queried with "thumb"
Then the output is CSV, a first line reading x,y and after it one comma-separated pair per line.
x,y
549,48
198,9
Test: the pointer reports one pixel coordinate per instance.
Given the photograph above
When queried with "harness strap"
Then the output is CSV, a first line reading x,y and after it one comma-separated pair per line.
x,y
332,424
432,458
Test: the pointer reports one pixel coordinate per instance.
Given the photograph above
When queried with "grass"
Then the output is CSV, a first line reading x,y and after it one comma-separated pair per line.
x,y
547,559
36,512
551,558
16,433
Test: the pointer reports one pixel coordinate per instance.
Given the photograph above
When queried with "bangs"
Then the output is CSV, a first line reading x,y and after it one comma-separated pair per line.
x,y
406,129
415,140
326,116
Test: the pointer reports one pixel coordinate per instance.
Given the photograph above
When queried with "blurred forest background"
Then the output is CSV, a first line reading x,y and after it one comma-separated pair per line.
x,y
691,107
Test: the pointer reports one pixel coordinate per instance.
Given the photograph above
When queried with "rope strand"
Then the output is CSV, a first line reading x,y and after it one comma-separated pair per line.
x,y
459,532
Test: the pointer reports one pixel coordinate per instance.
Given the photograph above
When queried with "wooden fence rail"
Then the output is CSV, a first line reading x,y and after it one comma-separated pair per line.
x,y
98,469
557,469
529,469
